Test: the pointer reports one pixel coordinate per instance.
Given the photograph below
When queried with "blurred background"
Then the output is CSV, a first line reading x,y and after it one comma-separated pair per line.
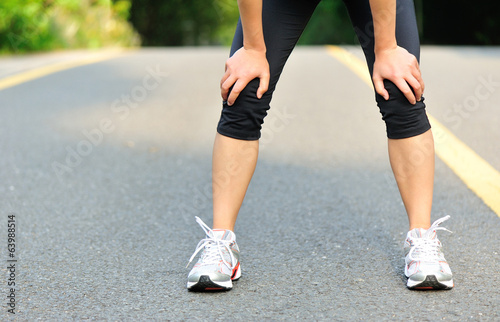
x,y
43,25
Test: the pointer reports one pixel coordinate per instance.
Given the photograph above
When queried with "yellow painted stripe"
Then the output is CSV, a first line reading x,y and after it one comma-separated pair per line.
x,y
474,171
29,75
354,63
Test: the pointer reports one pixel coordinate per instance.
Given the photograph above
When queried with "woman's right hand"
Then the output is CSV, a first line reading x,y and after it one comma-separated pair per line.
x,y
244,66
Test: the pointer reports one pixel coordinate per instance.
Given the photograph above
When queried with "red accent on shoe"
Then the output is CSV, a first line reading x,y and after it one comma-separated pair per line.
x,y
235,270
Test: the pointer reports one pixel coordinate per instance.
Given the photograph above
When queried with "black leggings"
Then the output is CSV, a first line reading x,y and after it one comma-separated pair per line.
x,y
283,22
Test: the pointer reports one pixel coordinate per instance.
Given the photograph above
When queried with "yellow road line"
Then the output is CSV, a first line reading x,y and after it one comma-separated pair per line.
x,y
29,75
352,62
474,171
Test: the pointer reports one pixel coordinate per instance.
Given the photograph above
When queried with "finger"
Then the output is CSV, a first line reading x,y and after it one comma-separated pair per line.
x,y
263,85
235,91
422,84
406,90
380,88
226,86
418,75
417,88
224,77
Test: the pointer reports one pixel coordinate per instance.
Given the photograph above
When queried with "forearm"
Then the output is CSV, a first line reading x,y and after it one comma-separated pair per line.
x,y
251,20
384,24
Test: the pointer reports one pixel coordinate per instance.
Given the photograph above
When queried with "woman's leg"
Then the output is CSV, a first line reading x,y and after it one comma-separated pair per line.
x,y
233,165
411,146
412,161
236,144
411,152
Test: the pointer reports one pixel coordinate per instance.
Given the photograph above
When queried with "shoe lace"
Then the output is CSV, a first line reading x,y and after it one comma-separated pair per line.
x,y
427,248
213,248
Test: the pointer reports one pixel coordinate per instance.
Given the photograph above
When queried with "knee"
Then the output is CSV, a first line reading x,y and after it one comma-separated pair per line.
x,y
243,120
402,119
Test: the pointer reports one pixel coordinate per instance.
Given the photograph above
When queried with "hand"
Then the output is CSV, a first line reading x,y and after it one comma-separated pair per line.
x,y
244,66
400,67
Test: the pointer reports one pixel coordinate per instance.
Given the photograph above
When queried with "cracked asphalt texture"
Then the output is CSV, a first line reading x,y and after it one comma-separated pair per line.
x,y
105,222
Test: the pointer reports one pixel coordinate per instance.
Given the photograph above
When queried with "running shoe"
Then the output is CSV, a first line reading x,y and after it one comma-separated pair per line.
x,y
426,267
219,263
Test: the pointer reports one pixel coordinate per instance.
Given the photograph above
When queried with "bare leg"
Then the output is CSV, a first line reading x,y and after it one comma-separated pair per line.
x,y
233,165
412,161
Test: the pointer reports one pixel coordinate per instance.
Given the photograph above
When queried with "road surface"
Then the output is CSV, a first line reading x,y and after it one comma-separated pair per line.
x,y
105,165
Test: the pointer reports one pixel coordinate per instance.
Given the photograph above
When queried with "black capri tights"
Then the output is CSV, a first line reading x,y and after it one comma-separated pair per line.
x,y
283,22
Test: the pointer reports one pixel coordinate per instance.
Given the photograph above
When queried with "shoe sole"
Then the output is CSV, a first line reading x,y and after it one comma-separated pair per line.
x,y
205,284
430,283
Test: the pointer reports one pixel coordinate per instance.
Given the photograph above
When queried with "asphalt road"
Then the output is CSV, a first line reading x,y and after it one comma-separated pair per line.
x,y
104,167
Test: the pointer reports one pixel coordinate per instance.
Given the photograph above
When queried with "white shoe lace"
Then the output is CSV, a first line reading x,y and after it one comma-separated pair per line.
x,y
426,247
213,248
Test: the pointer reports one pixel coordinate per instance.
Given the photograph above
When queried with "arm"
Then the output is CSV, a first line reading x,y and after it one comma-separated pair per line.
x,y
251,20
250,61
392,62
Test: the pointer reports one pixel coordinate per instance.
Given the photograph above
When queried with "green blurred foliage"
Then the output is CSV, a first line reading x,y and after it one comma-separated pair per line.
x,y
25,26
329,24
212,22
35,25
184,22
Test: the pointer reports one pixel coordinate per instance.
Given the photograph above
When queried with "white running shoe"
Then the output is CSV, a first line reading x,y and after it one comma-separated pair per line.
x,y
219,262
426,267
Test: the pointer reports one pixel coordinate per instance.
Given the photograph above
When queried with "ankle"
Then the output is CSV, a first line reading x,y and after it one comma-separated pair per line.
x,y
425,227
223,224
422,224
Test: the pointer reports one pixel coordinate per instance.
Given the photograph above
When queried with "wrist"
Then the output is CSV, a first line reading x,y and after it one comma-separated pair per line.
x,y
384,47
259,47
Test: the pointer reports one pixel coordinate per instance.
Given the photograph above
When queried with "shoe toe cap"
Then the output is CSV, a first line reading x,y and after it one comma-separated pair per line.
x,y
213,275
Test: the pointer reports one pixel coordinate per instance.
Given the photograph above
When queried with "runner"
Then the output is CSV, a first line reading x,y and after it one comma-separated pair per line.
x,y
266,34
